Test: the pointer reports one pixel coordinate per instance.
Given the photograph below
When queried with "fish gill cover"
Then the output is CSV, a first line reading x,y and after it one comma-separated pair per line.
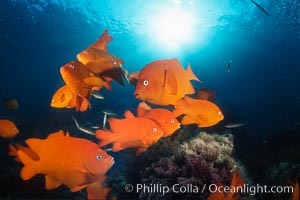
x,y
260,87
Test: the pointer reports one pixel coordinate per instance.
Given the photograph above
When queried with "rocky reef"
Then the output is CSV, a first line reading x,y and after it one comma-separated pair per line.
x,y
189,160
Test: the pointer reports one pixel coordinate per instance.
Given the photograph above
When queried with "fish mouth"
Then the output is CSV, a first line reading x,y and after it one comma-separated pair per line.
x,y
137,95
62,69
111,162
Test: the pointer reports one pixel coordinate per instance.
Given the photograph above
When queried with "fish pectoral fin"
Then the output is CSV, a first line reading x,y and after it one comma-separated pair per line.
x,y
117,146
204,118
51,183
205,121
77,188
170,82
140,150
93,81
180,108
187,120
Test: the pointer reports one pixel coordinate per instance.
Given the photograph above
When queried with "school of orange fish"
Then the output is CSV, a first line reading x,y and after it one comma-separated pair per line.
x,y
79,163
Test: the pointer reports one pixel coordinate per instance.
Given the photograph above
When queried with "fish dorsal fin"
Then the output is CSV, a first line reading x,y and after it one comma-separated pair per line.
x,y
189,89
128,114
51,183
142,109
59,133
190,74
67,134
101,43
170,82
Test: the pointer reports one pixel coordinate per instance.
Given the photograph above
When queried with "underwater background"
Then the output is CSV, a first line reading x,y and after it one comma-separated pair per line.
x,y
261,90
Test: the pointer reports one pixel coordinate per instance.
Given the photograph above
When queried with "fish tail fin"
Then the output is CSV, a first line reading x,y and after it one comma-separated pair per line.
x,y
179,107
12,150
27,171
190,74
104,136
141,110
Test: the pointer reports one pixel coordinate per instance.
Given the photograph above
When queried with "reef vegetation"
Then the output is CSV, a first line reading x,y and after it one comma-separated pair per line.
x,y
188,158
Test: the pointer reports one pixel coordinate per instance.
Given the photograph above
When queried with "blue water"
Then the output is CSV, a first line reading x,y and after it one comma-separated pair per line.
x,y
262,89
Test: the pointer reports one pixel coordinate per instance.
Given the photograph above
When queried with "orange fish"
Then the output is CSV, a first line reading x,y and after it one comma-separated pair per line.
x,y
231,195
97,191
131,132
102,63
163,117
206,94
201,112
101,43
296,193
8,129
11,104
74,162
79,81
13,151
163,82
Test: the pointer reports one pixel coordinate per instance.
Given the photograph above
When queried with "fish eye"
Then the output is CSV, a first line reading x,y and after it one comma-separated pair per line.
x,y
86,51
154,129
172,120
72,66
146,82
99,157
115,63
